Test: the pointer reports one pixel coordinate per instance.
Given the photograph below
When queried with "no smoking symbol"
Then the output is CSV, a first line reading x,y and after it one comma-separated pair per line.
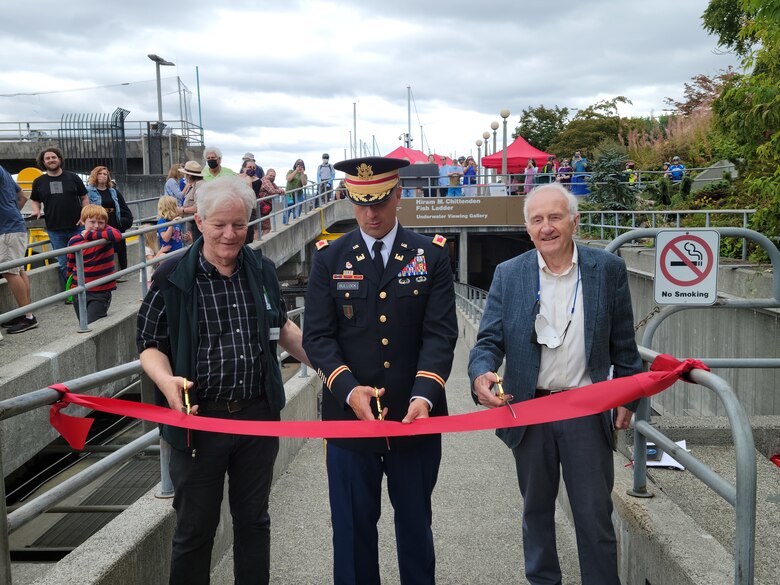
x,y
689,252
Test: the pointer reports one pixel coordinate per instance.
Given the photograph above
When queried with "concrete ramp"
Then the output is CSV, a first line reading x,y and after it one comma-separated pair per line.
x,y
476,513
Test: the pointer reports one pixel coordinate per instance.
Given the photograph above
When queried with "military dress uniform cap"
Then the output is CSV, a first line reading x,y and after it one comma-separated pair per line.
x,y
370,180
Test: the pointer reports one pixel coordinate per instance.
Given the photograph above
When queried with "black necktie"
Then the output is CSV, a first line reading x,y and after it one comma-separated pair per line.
x,y
379,264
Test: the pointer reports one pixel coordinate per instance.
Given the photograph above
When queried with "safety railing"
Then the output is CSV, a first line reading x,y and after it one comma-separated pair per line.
x,y
312,198
741,496
48,501
610,224
134,130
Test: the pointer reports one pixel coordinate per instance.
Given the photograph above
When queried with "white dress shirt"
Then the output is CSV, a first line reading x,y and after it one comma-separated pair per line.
x,y
388,240
565,366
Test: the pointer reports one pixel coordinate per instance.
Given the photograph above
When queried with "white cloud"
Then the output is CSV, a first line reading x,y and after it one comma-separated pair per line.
x,y
278,78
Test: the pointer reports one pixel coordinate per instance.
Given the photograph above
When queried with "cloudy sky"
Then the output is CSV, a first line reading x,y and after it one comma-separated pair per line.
x,y
279,77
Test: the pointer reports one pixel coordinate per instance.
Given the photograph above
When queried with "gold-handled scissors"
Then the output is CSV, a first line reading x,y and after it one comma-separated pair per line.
x,y
378,404
502,396
379,410
187,396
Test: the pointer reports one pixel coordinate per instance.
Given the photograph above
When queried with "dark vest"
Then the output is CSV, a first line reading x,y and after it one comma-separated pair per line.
x,y
176,281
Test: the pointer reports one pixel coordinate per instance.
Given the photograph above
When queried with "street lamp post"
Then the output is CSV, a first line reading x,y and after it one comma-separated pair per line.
x,y
504,114
157,62
494,127
479,155
486,137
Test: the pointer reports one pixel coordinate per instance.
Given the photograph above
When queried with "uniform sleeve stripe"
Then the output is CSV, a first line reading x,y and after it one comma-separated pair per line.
x,y
432,376
335,373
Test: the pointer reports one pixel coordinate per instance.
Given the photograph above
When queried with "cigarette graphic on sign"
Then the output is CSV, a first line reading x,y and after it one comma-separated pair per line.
x,y
693,253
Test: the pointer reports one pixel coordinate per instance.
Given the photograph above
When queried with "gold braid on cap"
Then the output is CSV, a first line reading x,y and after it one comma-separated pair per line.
x,y
366,187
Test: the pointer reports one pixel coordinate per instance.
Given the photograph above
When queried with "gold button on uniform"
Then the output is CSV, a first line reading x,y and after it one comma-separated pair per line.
x,y
385,341
382,319
383,295
416,292
387,365
346,295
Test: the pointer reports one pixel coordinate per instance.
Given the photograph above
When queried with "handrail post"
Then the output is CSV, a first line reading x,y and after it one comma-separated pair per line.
x,y
744,240
639,489
5,548
81,298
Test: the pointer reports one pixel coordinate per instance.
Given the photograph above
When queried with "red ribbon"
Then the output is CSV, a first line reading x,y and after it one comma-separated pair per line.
x,y
578,402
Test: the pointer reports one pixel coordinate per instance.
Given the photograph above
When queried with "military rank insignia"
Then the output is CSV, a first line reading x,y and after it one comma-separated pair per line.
x,y
417,267
322,244
439,240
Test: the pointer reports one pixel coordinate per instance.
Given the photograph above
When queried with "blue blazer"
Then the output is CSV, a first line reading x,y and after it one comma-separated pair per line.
x,y
507,328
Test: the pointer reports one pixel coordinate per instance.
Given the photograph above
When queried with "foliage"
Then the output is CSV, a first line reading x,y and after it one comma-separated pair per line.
x,y
541,126
715,191
608,181
727,19
701,92
748,110
591,126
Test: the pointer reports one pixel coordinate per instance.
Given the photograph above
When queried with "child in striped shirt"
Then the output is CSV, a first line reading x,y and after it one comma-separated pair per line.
x,y
98,260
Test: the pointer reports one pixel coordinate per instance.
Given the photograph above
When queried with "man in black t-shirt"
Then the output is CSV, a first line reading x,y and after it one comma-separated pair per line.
x,y
62,194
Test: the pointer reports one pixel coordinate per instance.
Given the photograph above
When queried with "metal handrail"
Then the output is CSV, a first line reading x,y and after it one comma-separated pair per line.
x,y
312,199
742,496
47,501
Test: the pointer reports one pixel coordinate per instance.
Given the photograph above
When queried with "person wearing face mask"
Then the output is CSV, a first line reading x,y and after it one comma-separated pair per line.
x,y
249,174
248,156
213,157
325,176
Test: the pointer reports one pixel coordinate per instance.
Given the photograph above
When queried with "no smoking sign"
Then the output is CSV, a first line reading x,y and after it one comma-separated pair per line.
x,y
686,267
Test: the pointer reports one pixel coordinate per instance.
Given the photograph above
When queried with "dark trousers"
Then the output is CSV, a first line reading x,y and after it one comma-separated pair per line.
x,y
579,447
198,482
355,487
98,303
443,191
120,249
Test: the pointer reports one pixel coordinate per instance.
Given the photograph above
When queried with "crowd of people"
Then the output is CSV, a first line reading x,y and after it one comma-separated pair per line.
x,y
60,197
460,177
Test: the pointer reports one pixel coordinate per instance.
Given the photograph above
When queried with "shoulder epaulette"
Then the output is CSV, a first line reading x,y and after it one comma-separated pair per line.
x,y
439,240
322,244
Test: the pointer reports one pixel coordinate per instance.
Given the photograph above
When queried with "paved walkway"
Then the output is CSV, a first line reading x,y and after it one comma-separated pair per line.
x,y
476,513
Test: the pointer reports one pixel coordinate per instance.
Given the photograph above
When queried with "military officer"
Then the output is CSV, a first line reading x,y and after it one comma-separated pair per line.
x,y
381,331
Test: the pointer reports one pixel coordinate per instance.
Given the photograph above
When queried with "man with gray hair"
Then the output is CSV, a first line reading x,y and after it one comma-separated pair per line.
x,y
207,336
561,316
213,157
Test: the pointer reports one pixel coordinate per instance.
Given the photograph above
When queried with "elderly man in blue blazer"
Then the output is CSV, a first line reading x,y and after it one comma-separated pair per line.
x,y
561,316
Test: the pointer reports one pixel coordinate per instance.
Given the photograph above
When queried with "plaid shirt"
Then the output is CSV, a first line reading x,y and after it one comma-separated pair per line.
x,y
228,346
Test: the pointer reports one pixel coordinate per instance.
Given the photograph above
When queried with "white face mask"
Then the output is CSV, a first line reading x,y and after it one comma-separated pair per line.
x,y
325,161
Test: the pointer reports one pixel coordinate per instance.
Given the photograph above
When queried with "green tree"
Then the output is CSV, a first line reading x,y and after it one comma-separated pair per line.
x,y
748,110
608,182
541,126
590,127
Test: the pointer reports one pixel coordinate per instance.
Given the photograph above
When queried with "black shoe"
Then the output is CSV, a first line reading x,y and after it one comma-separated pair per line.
x,y
24,324
8,324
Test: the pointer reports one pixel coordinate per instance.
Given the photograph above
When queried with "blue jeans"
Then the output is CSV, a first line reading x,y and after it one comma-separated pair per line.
x,y
298,209
59,239
288,209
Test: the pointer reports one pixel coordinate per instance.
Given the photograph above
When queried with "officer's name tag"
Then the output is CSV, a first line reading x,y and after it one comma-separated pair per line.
x,y
347,285
274,334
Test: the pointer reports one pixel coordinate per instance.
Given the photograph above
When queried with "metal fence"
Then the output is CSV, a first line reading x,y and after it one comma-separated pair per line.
x,y
304,200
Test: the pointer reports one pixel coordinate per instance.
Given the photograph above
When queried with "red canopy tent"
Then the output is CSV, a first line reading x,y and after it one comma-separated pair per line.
x,y
517,155
415,156
410,154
